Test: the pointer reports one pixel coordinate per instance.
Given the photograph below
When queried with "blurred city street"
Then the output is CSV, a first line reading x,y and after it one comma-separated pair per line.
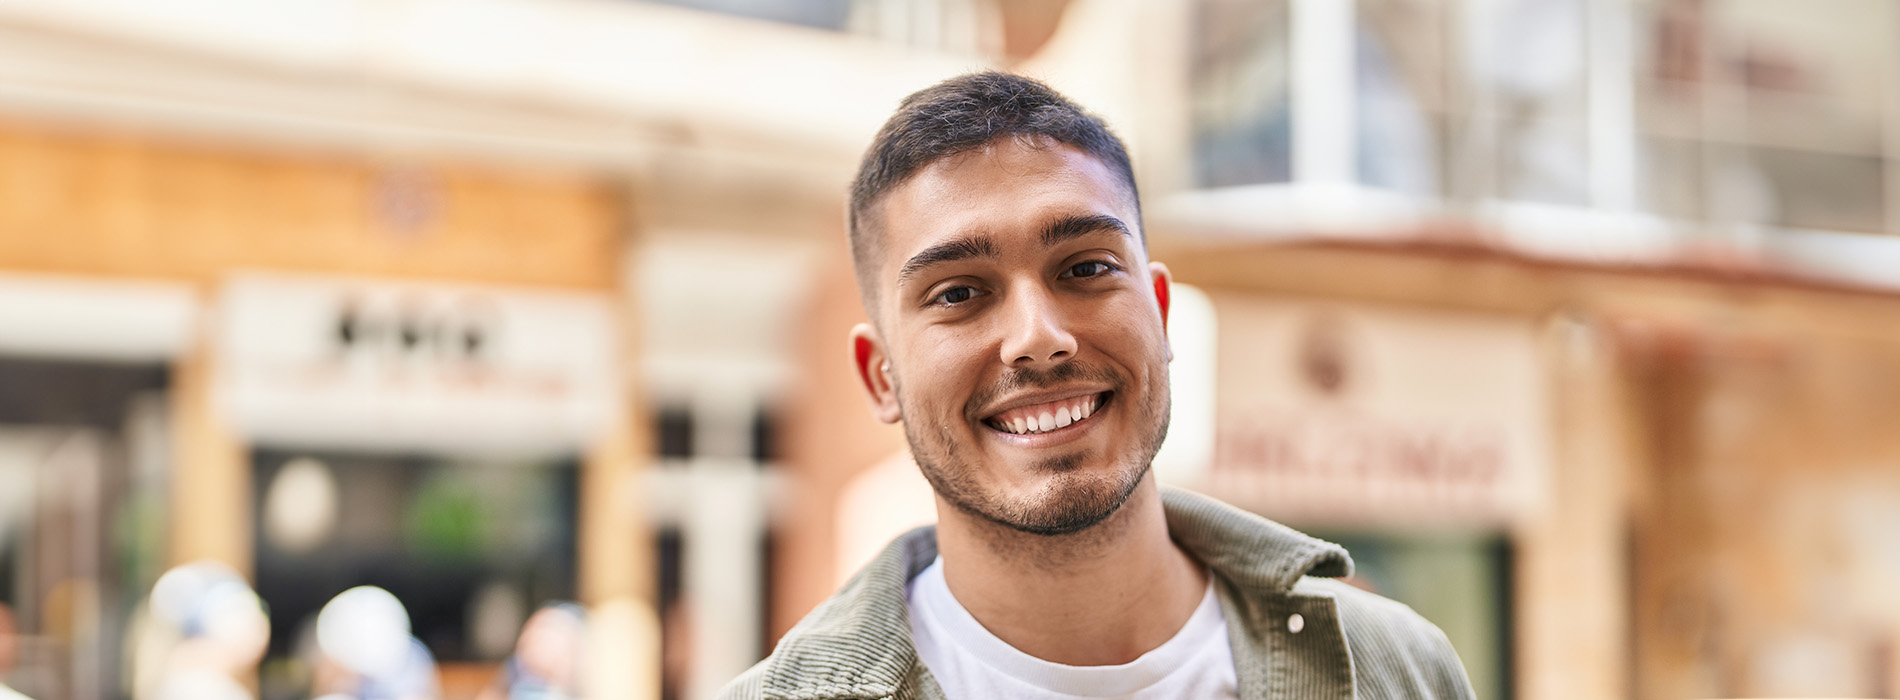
x,y
497,349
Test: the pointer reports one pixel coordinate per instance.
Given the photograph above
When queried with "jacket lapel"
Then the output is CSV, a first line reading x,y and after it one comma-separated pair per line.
x,y
857,644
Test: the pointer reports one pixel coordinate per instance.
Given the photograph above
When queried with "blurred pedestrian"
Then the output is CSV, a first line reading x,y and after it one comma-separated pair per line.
x,y
9,650
203,630
546,664
368,653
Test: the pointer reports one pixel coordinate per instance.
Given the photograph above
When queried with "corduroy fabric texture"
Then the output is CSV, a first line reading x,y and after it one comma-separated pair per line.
x,y
1348,644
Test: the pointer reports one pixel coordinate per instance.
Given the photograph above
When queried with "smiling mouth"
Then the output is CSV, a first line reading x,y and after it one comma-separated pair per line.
x,y
1047,417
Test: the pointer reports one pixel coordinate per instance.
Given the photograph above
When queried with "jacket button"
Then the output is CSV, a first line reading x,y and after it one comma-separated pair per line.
x,y
1295,623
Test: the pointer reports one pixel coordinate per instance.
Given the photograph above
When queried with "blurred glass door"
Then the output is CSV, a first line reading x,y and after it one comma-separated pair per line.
x,y
81,468
1461,581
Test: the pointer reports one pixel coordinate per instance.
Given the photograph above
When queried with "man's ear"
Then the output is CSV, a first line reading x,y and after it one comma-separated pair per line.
x,y
874,371
1162,280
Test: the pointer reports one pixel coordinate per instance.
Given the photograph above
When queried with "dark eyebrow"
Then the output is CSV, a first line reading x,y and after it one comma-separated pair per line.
x,y
1077,225
964,248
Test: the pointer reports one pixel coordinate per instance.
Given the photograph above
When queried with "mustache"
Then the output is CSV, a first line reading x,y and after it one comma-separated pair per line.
x,y
1019,379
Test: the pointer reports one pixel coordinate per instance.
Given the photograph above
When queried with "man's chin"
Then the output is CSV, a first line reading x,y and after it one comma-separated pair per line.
x,y
1069,504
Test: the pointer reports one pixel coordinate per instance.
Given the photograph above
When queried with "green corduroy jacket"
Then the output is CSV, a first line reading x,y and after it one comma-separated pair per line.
x,y
1352,644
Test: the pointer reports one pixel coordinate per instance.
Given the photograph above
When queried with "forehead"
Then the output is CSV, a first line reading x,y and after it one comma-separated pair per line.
x,y
1007,190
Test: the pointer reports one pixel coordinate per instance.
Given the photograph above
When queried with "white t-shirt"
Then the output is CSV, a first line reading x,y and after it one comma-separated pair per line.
x,y
972,664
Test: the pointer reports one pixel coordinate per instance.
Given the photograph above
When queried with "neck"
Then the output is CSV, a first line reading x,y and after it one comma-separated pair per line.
x,y
1074,599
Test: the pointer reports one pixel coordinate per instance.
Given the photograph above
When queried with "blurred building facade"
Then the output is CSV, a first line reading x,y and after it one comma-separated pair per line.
x,y
1569,317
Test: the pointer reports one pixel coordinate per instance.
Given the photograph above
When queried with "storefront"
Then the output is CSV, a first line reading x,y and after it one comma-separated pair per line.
x,y
424,438
1417,437
1600,481
322,370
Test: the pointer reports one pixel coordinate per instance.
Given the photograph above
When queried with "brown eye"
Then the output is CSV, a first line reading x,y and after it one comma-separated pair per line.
x,y
1092,268
955,296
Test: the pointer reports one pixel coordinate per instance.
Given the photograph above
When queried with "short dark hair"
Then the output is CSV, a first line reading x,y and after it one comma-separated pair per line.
x,y
963,114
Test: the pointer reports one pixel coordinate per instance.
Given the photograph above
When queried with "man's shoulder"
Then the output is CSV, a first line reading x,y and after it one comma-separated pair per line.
x,y
1393,647
1363,609
855,644
747,686
751,685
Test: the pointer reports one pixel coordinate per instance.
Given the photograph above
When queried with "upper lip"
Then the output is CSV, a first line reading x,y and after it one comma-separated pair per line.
x,y
1036,397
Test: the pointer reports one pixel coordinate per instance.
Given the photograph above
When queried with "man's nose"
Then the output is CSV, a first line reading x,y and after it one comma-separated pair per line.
x,y
1037,335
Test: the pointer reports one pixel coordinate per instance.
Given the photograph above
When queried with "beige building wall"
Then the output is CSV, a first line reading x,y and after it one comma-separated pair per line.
x,y
1764,530
93,202
120,204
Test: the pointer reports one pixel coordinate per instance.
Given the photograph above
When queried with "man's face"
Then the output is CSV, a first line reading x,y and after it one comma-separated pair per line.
x,y
1023,329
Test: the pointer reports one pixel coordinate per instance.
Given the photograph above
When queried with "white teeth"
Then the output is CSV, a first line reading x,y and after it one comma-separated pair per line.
x,y
1064,416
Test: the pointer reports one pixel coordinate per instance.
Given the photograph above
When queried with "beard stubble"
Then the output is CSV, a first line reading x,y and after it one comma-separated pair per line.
x,y
1069,501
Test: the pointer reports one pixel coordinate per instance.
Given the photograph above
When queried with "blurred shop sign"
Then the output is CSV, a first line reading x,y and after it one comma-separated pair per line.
x,y
1367,415
85,318
400,366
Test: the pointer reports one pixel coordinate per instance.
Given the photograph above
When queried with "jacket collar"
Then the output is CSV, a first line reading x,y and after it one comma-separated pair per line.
x,y
858,645
1252,552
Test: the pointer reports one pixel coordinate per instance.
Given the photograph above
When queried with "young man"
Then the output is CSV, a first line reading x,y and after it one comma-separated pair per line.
x,y
1018,332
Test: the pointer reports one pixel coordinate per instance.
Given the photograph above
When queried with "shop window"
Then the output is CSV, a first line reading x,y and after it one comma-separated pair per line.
x,y
450,539
1671,183
1399,69
1528,96
1759,114
1240,88
58,392
674,425
1242,94
1460,582
676,428
1814,190
764,437
817,14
